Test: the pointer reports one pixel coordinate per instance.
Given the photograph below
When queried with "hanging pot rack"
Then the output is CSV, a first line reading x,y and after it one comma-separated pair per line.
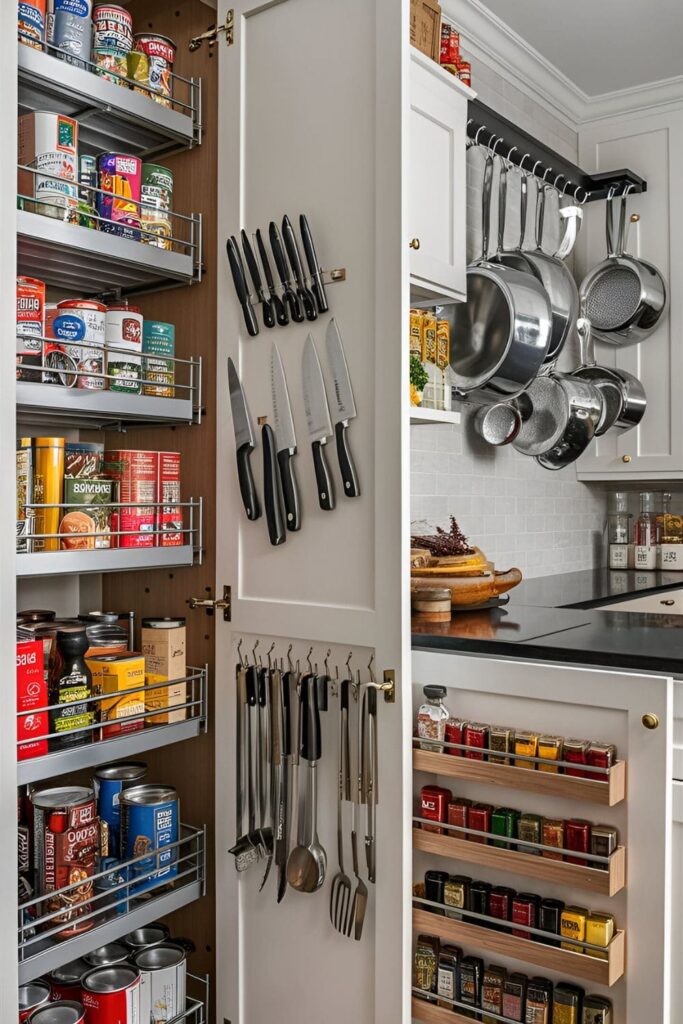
x,y
489,129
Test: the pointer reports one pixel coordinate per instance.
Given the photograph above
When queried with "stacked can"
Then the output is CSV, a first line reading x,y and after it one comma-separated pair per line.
x,y
64,1011
156,195
150,825
158,350
118,204
81,324
112,41
110,782
112,994
163,974
71,30
31,327
48,142
32,23
160,53
31,996
123,333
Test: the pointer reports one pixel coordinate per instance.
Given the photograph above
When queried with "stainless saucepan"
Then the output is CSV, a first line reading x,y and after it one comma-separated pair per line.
x,y
632,401
560,415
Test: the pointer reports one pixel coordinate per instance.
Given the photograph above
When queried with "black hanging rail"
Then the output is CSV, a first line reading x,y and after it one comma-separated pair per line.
x,y
490,129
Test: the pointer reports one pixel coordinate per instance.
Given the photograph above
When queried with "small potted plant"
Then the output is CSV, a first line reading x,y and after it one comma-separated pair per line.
x,y
418,379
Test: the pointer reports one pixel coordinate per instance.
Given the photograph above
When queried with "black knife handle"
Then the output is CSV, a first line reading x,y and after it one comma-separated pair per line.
x,y
237,268
262,687
322,477
281,314
247,485
268,314
310,748
346,464
290,489
307,300
321,683
372,701
344,694
317,285
272,496
295,310
286,737
303,716
252,686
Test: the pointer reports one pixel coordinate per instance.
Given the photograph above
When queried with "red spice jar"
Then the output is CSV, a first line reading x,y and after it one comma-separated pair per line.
x,y
434,802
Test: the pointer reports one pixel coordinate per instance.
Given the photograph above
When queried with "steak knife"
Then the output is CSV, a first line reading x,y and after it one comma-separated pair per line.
x,y
240,281
306,296
244,441
286,439
272,491
314,267
319,424
266,305
346,408
281,314
280,258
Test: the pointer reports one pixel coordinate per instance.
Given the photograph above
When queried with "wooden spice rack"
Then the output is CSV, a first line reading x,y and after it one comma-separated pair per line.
x,y
550,958
430,1013
596,881
568,787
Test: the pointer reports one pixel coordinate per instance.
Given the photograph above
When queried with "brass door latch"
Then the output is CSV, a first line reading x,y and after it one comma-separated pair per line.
x,y
212,603
211,34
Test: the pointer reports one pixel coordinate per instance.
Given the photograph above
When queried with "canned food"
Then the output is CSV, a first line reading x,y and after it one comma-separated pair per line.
x,y
119,201
142,938
65,981
111,64
169,516
110,782
136,473
162,982
30,327
31,23
160,52
48,483
64,1011
156,197
111,995
48,142
113,26
107,956
80,327
123,333
150,824
31,996
72,30
87,177
158,350
138,70
36,615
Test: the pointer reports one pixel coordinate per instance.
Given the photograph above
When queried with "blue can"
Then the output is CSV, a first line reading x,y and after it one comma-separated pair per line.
x,y
72,30
109,783
150,817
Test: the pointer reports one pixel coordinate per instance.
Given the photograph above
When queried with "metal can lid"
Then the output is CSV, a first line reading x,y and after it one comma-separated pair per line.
x,y
122,772
36,615
151,935
69,973
33,994
64,796
108,618
164,623
156,958
81,304
105,956
143,36
149,794
64,1011
126,307
110,979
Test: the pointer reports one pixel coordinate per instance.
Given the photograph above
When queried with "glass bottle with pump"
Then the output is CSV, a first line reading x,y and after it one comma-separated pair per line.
x,y
647,532
619,532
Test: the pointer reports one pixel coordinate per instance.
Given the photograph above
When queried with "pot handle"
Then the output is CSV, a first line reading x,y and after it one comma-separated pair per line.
x,y
486,206
609,221
586,343
573,216
523,191
502,202
624,225
540,214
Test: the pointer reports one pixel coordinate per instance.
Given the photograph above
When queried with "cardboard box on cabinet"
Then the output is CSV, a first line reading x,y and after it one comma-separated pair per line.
x,y
425,27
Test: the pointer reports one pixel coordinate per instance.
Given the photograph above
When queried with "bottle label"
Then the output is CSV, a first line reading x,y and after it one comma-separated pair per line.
x,y
618,556
646,557
671,557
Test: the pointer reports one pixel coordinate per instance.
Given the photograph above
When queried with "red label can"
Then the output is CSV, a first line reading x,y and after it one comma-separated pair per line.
x,y
434,805
65,981
32,996
465,72
30,327
453,734
63,1011
136,473
111,995
169,516
476,736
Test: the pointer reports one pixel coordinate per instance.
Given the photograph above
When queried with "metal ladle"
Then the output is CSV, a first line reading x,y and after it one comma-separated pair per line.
x,y
307,862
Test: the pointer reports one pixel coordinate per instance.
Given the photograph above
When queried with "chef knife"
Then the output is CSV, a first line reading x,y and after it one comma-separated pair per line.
x,y
314,267
281,314
266,305
286,439
272,491
282,813
346,408
319,425
280,258
238,276
306,296
244,441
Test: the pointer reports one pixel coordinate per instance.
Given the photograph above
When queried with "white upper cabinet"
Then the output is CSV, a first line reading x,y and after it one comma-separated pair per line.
x,y
650,145
437,187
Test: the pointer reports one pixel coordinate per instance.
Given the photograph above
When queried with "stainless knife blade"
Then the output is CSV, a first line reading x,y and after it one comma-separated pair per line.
x,y
244,442
286,440
319,423
346,408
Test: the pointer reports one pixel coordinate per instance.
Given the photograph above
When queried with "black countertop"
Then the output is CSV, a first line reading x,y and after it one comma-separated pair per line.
x,y
553,618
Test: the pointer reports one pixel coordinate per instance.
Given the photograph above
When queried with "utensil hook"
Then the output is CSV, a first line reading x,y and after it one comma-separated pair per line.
x,y
270,651
308,659
527,156
289,658
253,651
507,158
243,660
481,128
372,674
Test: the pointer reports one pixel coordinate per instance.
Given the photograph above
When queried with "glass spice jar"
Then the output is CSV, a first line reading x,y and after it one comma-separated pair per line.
x,y
431,719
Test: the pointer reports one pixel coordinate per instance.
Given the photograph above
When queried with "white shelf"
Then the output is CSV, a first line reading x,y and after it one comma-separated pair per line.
x,y
97,410
60,563
419,415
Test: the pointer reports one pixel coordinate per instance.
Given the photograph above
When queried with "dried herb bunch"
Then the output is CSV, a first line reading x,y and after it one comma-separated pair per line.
x,y
442,543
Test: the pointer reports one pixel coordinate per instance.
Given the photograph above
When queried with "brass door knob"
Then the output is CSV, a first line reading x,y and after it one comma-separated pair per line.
x,y
414,243
625,458
650,721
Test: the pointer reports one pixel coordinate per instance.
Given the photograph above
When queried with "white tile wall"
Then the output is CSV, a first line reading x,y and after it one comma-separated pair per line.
x,y
518,513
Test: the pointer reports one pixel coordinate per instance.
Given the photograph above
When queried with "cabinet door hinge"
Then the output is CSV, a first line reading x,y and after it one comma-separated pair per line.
x,y
211,34
211,603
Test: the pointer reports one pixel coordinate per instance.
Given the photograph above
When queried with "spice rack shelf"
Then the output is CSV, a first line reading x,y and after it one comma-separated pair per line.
x,y
111,117
419,415
551,958
567,787
39,953
430,1013
594,880
114,748
58,563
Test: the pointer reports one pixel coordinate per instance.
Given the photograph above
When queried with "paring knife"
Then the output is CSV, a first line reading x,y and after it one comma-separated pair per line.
x,y
319,424
286,439
280,258
306,296
346,408
272,491
266,305
238,276
244,441
315,270
281,314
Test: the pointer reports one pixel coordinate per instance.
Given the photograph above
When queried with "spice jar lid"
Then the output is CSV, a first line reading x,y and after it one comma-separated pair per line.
x,y
434,692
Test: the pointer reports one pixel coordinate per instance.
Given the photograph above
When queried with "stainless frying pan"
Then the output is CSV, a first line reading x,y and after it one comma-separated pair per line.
x,y
560,417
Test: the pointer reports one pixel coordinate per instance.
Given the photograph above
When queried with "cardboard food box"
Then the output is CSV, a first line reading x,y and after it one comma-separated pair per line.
x,y
115,674
425,27
31,694
164,652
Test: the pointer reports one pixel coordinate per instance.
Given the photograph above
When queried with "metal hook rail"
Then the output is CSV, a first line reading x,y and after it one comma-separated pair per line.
x,y
488,129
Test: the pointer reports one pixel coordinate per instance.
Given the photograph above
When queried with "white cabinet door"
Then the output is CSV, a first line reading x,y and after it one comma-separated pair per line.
x,y
437,195
653,147
669,603
677,904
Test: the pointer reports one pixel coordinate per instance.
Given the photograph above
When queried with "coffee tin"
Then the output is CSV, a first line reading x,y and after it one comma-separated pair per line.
x,y
31,996
113,27
72,30
31,327
64,1011
158,350
157,197
119,201
150,824
123,333
109,782
65,981
160,52
162,982
80,326
48,142
111,995
107,956
142,938
31,23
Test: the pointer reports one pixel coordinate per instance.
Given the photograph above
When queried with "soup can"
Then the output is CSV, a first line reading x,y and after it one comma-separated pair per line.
x,y
65,981
31,327
113,27
158,367
109,782
31,996
80,327
32,23
150,824
48,142
156,196
119,201
48,484
123,335
160,52
107,956
111,995
163,974
71,30
63,1011
142,938
111,64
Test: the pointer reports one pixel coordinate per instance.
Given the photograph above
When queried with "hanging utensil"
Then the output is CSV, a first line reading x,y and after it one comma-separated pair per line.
x,y
560,416
265,761
307,862
340,892
371,824
503,329
306,297
498,424
291,683
624,298
289,295
315,270
632,400
244,850
360,896
286,440
318,419
244,442
272,488
346,408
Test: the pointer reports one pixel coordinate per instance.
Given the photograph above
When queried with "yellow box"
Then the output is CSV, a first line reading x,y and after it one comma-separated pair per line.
x,y
443,343
599,931
417,334
526,743
116,674
430,338
573,926
165,697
